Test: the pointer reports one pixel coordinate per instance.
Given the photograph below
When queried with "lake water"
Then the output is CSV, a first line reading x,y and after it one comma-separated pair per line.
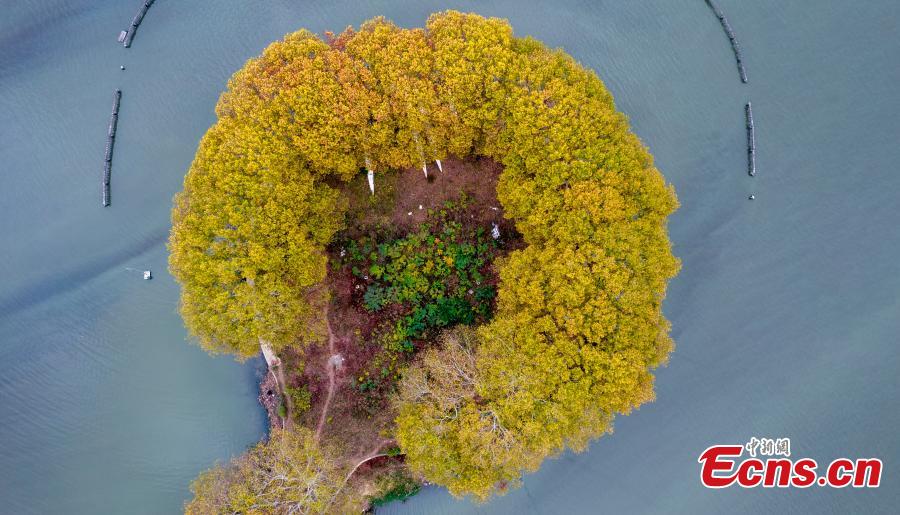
x,y
786,313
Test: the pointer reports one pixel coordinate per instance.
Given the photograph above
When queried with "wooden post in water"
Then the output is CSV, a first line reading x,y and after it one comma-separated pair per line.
x,y
138,18
751,140
735,47
110,142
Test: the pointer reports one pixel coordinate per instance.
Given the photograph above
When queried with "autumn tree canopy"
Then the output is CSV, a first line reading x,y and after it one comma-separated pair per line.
x,y
290,473
578,327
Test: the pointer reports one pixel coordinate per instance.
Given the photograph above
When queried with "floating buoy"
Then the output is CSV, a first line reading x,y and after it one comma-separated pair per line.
x,y
122,67
752,197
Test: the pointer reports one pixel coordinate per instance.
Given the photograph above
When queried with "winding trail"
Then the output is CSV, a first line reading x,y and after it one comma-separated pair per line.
x,y
369,457
363,461
334,362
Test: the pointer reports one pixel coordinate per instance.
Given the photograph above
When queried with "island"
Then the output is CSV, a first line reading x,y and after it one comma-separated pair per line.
x,y
450,248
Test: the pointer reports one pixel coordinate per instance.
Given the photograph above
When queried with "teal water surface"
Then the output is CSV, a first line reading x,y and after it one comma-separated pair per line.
x,y
785,315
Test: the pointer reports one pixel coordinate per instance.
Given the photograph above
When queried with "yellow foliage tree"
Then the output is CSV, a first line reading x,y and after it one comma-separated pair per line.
x,y
289,473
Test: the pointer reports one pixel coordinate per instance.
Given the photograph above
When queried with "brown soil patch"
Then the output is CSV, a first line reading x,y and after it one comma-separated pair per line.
x,y
395,206
357,431
356,424
476,179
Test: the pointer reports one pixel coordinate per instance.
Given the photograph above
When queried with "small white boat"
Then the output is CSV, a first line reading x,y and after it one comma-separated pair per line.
x,y
122,35
148,275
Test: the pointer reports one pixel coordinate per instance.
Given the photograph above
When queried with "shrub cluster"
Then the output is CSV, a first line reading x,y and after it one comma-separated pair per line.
x,y
430,279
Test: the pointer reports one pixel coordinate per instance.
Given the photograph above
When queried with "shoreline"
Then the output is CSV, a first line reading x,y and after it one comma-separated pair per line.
x,y
270,399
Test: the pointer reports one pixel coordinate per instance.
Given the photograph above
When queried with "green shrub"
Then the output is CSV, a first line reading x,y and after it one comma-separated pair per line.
x,y
431,277
300,398
396,486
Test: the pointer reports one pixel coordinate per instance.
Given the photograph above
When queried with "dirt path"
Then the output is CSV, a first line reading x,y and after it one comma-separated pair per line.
x,y
334,363
375,453
361,463
369,457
